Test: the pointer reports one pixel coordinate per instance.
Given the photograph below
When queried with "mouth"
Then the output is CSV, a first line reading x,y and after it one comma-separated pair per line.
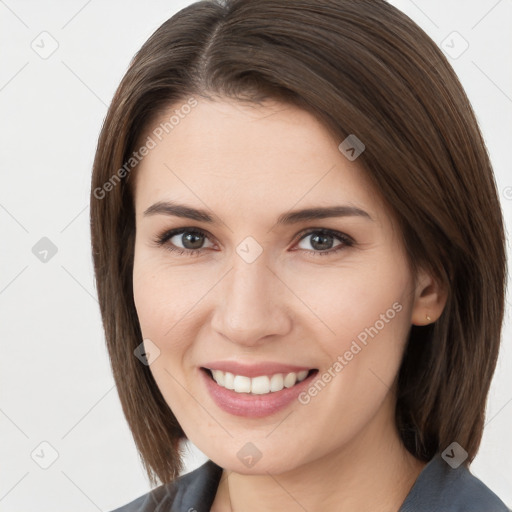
x,y
255,389
258,385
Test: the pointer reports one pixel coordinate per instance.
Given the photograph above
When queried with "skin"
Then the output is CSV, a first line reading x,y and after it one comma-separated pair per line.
x,y
246,164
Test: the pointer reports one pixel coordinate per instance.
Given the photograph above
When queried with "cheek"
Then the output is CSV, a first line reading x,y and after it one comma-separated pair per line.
x,y
355,304
164,296
162,300
169,301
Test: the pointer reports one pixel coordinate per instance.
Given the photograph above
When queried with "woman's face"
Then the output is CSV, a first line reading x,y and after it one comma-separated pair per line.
x,y
275,289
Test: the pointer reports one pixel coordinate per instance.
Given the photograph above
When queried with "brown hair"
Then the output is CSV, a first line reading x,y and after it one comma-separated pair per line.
x,y
363,68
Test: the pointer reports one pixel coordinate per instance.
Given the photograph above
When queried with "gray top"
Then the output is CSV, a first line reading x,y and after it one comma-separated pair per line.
x,y
438,488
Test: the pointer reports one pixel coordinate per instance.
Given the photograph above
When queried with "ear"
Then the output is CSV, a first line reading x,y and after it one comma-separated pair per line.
x,y
429,300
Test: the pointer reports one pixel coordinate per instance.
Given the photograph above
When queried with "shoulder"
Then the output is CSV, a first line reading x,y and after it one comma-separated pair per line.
x,y
194,491
439,487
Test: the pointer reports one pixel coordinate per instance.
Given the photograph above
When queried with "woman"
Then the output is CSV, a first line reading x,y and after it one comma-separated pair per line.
x,y
299,255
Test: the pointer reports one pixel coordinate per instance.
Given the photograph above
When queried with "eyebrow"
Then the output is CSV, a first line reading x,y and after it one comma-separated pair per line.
x,y
293,217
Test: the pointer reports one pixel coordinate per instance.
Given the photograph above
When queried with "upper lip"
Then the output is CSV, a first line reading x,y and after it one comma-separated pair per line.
x,y
254,369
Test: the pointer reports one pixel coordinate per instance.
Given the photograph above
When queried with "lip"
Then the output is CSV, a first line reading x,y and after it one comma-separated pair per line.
x,y
254,369
254,406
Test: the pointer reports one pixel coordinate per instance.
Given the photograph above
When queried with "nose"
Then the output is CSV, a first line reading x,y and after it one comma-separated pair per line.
x,y
251,306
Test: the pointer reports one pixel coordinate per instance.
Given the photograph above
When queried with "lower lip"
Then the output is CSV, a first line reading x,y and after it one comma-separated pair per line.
x,y
253,406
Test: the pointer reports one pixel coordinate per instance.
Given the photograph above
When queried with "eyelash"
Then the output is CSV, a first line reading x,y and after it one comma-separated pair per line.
x,y
162,239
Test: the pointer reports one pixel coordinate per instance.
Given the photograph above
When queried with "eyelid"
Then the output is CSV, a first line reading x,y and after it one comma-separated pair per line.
x,y
162,238
335,233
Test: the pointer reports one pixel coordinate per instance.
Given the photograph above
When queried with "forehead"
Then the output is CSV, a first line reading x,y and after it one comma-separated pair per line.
x,y
253,157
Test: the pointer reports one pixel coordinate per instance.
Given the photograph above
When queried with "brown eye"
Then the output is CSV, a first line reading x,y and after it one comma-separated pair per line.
x,y
183,241
323,241
189,240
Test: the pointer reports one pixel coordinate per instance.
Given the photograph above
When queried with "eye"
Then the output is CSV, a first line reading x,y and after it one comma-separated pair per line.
x,y
322,241
188,241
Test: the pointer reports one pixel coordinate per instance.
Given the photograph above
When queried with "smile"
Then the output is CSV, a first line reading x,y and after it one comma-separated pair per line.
x,y
255,391
260,385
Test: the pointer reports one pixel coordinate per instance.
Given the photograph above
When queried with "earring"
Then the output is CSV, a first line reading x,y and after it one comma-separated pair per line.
x,y
428,318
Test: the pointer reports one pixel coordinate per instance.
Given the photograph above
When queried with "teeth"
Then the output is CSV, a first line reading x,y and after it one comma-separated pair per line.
x,y
290,380
219,377
242,384
228,380
261,385
302,375
276,382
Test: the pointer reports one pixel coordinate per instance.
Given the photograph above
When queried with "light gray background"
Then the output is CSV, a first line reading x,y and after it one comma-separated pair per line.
x,y
56,382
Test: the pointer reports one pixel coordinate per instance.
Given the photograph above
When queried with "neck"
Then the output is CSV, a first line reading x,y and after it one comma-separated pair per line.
x,y
373,473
